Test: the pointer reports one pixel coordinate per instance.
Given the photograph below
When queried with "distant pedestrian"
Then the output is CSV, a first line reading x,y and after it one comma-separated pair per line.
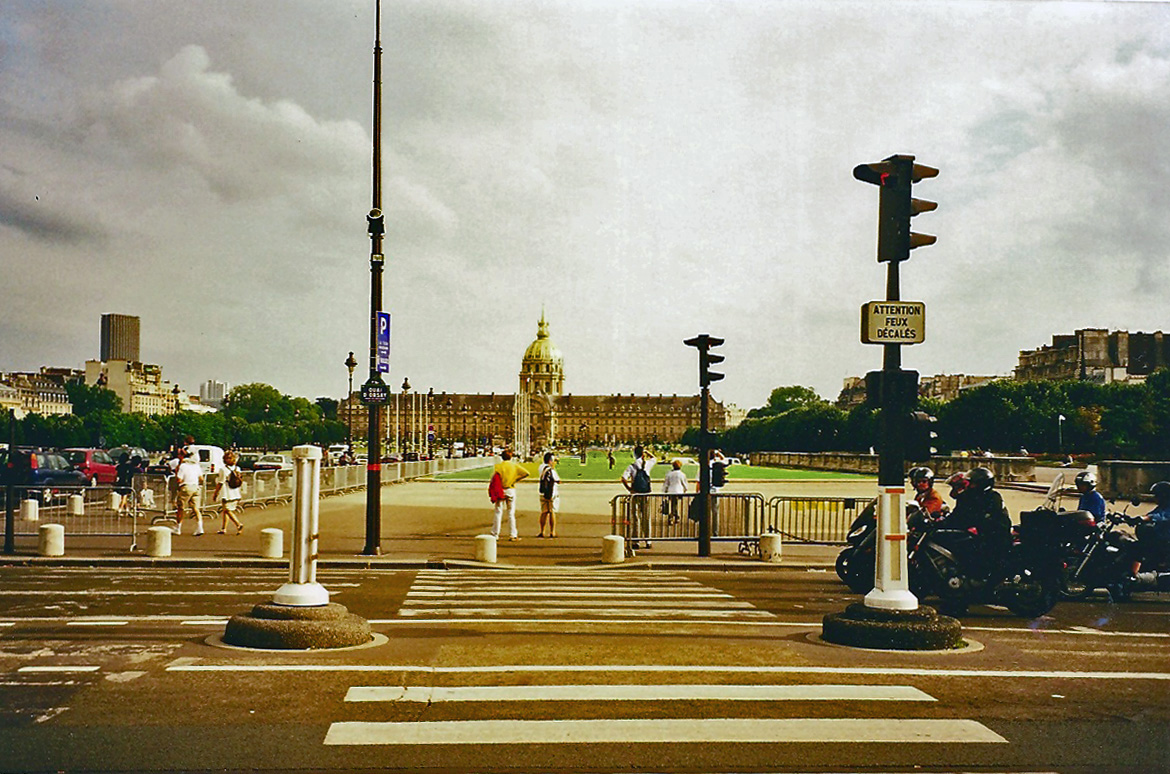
x,y
230,491
509,473
550,495
674,485
636,480
612,461
190,478
128,467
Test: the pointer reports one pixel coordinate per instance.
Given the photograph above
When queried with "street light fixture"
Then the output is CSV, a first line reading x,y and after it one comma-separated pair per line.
x,y
351,364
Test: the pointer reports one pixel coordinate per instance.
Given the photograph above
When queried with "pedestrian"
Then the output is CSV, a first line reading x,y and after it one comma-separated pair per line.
x,y
609,456
636,480
231,484
550,495
674,485
510,473
190,478
128,467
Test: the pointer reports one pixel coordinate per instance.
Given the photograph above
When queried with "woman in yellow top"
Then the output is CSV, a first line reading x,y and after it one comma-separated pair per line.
x,y
510,473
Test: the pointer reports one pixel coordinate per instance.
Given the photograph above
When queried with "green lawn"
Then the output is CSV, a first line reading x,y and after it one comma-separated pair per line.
x,y
596,468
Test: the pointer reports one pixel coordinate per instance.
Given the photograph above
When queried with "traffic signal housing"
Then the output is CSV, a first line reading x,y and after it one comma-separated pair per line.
x,y
707,358
895,177
920,436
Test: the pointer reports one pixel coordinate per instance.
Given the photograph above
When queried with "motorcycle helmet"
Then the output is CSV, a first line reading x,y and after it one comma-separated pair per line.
x,y
1086,480
1161,491
981,479
958,484
921,474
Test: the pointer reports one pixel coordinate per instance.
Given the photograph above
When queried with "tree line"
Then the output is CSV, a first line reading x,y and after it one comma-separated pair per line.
x,y
1103,421
253,416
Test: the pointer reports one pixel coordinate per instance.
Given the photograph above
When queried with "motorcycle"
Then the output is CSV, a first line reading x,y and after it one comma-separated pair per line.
x,y
946,566
856,564
1101,558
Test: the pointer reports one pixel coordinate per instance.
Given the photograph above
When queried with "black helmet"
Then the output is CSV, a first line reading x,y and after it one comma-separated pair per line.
x,y
921,473
981,479
1086,478
1161,491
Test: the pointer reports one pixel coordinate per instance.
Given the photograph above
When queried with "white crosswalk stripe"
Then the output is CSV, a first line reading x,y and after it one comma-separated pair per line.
x,y
625,730
570,594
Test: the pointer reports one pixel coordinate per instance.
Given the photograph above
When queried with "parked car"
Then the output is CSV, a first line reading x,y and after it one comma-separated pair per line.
x,y
210,457
248,460
118,452
40,468
96,464
333,453
273,462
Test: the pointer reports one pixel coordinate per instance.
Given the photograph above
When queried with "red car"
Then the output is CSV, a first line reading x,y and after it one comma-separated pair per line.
x,y
95,464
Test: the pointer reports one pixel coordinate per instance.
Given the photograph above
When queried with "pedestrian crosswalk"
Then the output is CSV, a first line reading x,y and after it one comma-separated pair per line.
x,y
673,718
570,594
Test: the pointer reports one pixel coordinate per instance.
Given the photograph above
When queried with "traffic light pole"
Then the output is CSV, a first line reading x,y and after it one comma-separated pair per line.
x,y
704,474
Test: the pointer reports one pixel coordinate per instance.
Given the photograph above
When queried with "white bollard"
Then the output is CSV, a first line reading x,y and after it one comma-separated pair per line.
x,y
485,549
271,543
613,549
158,541
51,540
770,547
30,510
76,505
302,589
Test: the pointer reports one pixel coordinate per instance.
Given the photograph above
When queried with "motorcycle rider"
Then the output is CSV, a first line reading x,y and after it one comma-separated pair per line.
x,y
1091,499
980,509
922,481
1154,531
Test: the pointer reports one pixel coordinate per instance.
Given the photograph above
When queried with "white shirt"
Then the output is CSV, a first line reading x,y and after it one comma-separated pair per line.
x,y
229,492
675,482
556,490
189,474
635,466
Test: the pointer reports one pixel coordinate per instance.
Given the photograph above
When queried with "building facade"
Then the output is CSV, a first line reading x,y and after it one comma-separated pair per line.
x,y
212,393
538,416
119,338
942,387
37,393
139,385
1096,355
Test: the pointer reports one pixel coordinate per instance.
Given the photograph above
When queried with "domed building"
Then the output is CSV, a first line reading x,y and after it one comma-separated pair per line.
x,y
542,371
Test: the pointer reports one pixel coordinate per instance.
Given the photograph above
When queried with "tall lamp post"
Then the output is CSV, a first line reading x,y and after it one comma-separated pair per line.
x,y
351,364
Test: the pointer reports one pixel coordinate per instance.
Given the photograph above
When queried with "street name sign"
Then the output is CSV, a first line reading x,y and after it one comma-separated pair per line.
x,y
893,322
375,391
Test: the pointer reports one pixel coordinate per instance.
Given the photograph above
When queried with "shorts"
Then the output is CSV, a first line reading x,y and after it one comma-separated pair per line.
x,y
231,505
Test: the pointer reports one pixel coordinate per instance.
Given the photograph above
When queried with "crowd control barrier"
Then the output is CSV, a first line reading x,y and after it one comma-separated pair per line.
x,y
735,517
82,510
812,519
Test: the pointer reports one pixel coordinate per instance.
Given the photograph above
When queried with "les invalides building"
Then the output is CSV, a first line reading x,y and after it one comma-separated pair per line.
x,y
540,415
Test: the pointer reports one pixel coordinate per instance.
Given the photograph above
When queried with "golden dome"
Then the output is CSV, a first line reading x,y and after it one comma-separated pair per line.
x,y
542,369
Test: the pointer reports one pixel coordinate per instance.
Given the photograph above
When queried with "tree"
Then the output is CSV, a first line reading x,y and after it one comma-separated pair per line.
x,y
86,399
258,403
784,398
328,407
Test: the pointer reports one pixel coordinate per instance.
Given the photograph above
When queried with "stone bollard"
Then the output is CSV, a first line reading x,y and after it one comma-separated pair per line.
x,y
75,505
770,547
158,541
271,543
485,549
30,510
613,549
51,540
114,502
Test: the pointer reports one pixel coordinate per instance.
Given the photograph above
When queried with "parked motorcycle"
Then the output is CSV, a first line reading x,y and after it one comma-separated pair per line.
x,y
1101,558
856,564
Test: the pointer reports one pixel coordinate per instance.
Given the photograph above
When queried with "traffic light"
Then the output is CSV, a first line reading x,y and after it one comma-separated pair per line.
x,y
920,436
891,389
896,206
707,358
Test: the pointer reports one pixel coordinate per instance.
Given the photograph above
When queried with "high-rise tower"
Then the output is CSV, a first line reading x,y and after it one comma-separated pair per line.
x,y
119,338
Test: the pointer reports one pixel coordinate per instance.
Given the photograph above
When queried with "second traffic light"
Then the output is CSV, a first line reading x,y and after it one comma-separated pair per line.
x,y
920,436
896,206
707,358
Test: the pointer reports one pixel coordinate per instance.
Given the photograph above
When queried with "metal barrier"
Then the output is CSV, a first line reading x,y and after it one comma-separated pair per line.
x,y
668,517
96,514
813,519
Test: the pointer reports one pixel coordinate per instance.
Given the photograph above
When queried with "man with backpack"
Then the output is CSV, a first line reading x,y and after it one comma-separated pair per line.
x,y
636,480
550,495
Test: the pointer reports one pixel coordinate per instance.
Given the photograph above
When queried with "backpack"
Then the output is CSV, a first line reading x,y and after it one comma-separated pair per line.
x,y
547,484
641,482
718,474
234,479
496,488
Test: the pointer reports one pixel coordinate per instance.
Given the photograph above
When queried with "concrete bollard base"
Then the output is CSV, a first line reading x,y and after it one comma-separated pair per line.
x,y
30,510
770,547
280,627
51,540
271,543
158,541
613,549
75,505
485,549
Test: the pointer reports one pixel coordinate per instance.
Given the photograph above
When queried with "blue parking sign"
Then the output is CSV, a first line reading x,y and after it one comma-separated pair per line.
x,y
383,342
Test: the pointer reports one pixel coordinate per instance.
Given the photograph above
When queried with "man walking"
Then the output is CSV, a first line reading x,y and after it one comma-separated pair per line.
x,y
509,473
636,480
190,478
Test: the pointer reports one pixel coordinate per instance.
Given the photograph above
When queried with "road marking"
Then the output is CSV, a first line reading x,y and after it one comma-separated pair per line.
x,y
433,694
130,593
561,591
708,730
204,622
101,622
62,668
650,612
590,601
655,668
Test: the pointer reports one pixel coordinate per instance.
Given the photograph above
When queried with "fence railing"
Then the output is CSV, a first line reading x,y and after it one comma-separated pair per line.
x,y
88,510
813,519
674,517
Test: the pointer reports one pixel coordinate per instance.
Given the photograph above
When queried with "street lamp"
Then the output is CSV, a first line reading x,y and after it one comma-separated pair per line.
x,y
1060,433
351,364
405,446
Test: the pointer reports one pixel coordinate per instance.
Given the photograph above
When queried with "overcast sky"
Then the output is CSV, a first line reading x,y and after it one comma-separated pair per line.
x,y
644,171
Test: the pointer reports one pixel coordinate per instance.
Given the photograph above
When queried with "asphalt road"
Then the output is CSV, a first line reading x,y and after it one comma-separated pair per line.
x,y
562,669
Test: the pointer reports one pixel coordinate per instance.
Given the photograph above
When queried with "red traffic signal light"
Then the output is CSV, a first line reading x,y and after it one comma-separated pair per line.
x,y
895,176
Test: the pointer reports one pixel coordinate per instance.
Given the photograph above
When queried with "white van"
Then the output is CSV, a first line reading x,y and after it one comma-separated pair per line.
x,y
210,457
333,453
